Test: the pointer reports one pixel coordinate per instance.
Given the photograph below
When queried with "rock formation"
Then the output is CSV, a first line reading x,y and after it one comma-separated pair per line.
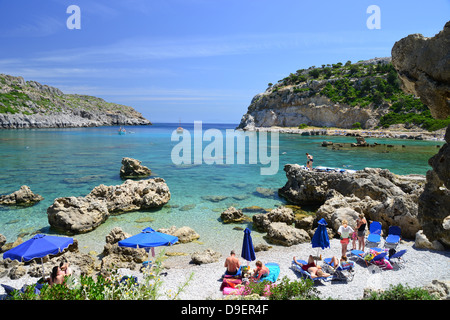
x,y
289,105
22,197
29,104
379,194
423,65
83,214
132,168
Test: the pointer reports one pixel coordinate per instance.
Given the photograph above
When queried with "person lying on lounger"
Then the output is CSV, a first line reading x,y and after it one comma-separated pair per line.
x,y
314,271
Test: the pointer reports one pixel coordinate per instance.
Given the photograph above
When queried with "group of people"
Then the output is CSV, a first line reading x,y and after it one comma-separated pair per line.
x,y
346,232
59,272
232,266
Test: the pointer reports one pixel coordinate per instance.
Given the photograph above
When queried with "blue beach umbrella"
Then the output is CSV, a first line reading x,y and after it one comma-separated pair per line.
x,y
248,251
147,239
320,238
39,246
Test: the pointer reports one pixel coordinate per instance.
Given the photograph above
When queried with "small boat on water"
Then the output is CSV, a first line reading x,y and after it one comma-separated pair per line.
x,y
122,131
179,129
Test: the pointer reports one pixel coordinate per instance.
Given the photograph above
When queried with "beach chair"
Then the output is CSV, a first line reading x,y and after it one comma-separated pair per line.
x,y
305,274
393,238
358,255
374,233
397,260
343,272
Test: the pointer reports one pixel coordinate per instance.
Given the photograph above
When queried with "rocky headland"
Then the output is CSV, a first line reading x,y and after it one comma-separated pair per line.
x,y
423,66
29,104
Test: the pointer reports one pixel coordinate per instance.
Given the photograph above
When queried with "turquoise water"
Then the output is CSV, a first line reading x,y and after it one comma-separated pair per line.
x,y
71,162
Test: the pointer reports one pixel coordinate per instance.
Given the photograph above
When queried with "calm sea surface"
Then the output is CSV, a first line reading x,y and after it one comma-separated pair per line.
x,y
71,162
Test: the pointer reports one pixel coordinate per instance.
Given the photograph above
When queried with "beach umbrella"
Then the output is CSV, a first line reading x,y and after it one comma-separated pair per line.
x,y
148,239
320,238
39,246
248,251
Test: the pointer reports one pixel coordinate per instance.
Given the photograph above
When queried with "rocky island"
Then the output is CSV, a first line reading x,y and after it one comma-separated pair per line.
x,y
29,104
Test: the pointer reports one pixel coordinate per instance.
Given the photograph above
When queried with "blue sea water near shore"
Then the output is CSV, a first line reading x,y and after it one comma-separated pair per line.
x,y
71,162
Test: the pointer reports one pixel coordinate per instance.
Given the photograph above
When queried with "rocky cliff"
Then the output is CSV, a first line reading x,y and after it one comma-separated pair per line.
x,y
424,68
365,94
29,104
301,99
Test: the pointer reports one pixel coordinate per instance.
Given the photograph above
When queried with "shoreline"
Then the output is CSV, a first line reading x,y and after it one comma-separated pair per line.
x,y
421,267
437,135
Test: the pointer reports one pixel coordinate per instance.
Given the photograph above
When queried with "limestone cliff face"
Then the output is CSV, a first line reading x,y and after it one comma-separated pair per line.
x,y
285,108
291,105
33,105
423,65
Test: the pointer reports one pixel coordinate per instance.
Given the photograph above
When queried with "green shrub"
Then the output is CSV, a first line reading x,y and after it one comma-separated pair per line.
x,y
101,288
400,292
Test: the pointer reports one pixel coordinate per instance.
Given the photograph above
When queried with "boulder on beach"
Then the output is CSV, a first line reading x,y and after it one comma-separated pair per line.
x,y
83,214
22,197
184,234
207,256
132,168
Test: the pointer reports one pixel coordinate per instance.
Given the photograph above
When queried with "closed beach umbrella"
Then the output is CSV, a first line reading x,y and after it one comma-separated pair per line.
x,y
148,239
320,238
248,251
39,246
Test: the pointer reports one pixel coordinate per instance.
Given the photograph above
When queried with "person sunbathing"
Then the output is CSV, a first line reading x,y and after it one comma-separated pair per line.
x,y
314,271
261,270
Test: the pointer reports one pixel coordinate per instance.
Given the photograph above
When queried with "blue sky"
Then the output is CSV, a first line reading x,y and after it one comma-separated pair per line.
x,y
194,60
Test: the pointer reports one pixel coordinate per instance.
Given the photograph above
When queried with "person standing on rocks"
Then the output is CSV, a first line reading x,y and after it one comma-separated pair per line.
x,y
309,161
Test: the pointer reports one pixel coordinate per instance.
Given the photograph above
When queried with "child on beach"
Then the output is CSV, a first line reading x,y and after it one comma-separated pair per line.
x,y
344,232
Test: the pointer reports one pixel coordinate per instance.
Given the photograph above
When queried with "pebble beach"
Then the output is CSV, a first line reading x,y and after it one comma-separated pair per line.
x,y
420,268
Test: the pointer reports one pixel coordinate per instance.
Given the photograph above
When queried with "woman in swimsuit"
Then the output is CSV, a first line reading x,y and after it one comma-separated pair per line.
x,y
361,227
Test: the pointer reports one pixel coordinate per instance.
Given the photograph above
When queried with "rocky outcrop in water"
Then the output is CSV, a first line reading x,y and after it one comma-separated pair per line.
x,y
379,194
22,197
83,214
132,168
423,66
29,104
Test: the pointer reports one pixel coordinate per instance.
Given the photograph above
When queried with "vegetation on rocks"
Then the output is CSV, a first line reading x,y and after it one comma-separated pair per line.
x,y
365,84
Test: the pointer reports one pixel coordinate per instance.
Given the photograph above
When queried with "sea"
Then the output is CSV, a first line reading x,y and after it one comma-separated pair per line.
x,y
63,162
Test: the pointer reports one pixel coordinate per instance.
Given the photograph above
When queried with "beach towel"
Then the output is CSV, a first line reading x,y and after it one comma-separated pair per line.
x,y
229,283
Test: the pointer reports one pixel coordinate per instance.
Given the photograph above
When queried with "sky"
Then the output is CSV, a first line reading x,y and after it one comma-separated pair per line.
x,y
197,60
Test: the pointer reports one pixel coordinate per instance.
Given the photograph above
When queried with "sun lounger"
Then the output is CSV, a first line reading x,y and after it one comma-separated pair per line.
x,y
305,274
375,233
397,260
393,238
343,272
